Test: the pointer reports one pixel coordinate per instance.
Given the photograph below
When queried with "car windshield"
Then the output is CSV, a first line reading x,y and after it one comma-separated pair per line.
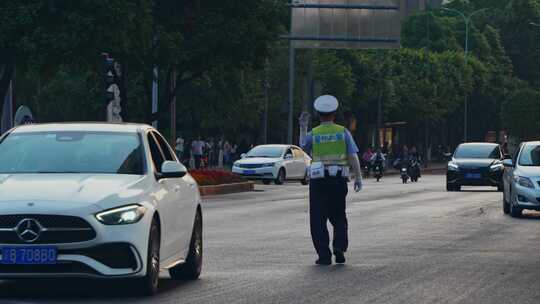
x,y
266,151
477,151
71,152
530,156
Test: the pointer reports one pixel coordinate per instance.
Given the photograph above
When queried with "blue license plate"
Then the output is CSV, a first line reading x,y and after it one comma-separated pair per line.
x,y
249,172
29,255
473,176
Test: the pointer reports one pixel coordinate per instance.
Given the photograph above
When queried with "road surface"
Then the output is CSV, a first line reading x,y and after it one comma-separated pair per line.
x,y
413,243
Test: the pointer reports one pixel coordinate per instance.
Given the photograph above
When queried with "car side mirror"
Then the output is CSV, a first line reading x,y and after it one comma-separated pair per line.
x,y
288,156
243,155
172,169
508,163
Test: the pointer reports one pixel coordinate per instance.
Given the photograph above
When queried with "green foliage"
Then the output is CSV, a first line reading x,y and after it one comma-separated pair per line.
x,y
523,110
219,50
335,76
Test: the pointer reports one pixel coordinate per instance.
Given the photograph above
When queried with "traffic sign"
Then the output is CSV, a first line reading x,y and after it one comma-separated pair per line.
x,y
351,24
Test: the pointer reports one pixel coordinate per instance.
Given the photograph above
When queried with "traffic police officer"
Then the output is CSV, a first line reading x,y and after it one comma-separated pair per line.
x,y
334,152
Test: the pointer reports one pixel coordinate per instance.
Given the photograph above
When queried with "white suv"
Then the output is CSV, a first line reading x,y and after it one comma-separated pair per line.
x,y
96,200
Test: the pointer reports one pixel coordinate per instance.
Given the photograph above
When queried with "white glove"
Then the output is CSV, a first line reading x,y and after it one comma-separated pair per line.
x,y
357,184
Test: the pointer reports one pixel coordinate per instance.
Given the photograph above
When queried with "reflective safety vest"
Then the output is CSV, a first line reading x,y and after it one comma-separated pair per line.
x,y
329,146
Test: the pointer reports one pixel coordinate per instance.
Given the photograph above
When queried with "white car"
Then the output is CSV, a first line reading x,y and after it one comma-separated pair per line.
x,y
96,200
521,180
274,163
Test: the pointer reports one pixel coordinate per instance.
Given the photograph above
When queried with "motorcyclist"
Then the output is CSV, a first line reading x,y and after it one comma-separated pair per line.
x,y
415,159
378,159
366,159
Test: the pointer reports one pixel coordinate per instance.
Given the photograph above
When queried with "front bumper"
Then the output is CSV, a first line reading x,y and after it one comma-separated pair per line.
x,y
106,260
255,173
115,251
526,198
483,177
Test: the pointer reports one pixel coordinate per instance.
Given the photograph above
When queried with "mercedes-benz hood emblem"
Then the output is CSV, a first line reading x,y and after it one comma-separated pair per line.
x,y
28,230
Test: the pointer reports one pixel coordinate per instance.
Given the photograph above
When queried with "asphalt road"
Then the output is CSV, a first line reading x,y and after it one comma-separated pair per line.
x,y
413,243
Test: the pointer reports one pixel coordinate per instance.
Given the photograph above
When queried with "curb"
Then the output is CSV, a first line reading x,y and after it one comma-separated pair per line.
x,y
226,188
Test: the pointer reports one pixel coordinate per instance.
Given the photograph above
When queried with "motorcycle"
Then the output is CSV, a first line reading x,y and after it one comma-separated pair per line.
x,y
404,174
365,169
377,171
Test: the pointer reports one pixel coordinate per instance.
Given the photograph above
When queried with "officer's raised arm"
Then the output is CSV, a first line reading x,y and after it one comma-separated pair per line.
x,y
308,143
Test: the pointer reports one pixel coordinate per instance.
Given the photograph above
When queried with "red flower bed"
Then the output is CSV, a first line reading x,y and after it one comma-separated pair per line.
x,y
214,177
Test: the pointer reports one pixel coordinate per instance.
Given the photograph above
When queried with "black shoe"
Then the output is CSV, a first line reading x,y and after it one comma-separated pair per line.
x,y
340,257
324,261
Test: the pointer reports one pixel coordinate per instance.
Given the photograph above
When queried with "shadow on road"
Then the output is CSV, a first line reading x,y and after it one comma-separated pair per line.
x,y
66,290
479,191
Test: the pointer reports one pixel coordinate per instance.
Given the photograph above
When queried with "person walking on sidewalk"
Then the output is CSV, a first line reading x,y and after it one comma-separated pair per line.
x,y
197,149
333,150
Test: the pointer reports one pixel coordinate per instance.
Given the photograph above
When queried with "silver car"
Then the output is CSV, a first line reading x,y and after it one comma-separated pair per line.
x,y
522,180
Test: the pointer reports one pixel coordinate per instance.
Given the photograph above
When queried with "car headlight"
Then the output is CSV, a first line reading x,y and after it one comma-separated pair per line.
x,y
496,167
268,165
524,182
122,216
453,166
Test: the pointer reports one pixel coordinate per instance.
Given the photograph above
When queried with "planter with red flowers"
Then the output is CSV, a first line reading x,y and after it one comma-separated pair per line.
x,y
213,182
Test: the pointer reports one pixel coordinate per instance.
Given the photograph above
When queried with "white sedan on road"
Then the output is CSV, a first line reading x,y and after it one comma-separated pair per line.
x,y
99,201
521,180
274,163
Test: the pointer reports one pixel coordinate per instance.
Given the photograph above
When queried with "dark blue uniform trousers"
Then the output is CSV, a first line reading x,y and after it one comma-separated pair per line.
x,y
327,203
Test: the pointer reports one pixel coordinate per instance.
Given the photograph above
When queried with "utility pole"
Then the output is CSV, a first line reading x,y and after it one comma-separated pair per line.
x,y
266,97
173,107
467,20
155,74
379,100
290,125
428,73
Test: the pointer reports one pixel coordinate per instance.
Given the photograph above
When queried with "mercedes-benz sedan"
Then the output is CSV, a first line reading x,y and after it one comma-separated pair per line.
x,y
475,164
522,180
99,201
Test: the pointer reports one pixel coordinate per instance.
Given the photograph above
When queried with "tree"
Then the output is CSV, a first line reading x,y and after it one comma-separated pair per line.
x,y
521,113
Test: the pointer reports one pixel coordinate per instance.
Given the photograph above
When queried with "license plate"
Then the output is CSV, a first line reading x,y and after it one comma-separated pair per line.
x,y
29,255
473,176
249,172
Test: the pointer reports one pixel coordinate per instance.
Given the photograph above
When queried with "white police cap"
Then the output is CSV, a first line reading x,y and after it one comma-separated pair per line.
x,y
326,104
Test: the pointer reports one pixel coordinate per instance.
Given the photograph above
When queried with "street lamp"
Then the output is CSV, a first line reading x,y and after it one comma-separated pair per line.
x,y
467,19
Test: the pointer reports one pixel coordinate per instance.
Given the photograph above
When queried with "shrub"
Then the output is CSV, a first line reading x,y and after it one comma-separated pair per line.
x,y
214,177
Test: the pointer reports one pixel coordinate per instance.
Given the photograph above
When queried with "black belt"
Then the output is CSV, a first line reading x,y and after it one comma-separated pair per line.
x,y
338,175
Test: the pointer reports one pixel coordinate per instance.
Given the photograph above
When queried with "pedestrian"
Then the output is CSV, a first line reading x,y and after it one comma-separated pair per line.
x,y
333,150
179,148
197,147
220,152
226,153
234,151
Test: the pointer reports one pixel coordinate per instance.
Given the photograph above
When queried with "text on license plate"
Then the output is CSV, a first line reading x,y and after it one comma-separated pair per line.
x,y
29,255
473,175
249,172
